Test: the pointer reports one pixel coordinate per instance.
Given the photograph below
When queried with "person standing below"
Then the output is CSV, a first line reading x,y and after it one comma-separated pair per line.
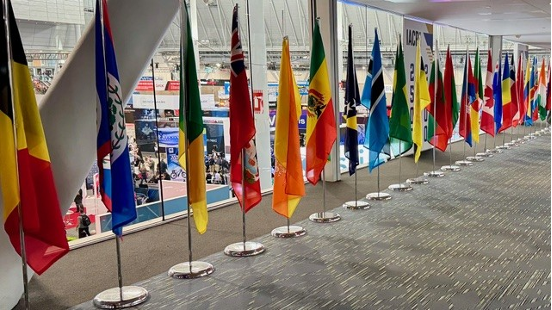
x,y
162,167
83,224
78,200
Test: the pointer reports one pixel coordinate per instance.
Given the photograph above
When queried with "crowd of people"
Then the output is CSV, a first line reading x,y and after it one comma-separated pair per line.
x,y
146,168
217,168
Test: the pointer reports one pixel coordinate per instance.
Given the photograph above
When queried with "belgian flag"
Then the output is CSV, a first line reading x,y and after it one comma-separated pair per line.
x,y
31,184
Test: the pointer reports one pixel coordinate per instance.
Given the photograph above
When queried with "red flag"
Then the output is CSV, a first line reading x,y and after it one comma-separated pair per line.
x,y
522,107
450,93
487,115
467,98
443,112
514,94
242,128
548,90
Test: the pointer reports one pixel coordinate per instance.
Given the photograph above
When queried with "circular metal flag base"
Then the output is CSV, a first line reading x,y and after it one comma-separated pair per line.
x,y
356,205
520,141
538,133
434,174
288,232
244,249
378,196
324,217
452,168
419,180
503,147
198,269
475,158
495,151
401,187
510,144
463,163
530,137
484,154
111,298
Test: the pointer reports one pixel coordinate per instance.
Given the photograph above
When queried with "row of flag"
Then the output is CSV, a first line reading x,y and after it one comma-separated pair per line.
x,y
289,186
507,100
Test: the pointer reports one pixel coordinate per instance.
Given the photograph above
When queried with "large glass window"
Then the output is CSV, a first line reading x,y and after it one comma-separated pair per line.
x,y
152,121
365,21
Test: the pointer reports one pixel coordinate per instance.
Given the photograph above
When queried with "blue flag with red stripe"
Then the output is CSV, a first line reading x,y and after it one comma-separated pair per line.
x,y
116,184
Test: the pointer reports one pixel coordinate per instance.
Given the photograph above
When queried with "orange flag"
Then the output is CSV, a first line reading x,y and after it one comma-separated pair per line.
x,y
289,186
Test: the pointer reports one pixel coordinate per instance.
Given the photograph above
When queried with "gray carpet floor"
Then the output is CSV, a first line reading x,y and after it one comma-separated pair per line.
x,y
475,239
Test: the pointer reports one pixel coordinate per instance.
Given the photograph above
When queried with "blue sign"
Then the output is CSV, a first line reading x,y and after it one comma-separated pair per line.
x,y
168,137
227,88
173,167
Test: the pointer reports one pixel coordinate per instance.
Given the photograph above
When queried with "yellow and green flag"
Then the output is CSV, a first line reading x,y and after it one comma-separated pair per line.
x,y
400,132
190,126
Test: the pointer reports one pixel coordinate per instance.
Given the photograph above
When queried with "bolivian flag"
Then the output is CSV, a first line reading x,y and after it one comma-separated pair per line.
x,y
289,186
26,178
191,128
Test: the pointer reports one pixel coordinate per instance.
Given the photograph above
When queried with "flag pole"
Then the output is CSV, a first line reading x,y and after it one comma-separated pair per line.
x,y
435,173
356,204
323,217
288,231
378,195
400,187
157,139
359,204
467,106
246,248
26,302
190,269
244,202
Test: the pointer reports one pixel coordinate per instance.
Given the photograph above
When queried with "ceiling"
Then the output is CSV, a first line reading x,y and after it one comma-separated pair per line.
x,y
523,21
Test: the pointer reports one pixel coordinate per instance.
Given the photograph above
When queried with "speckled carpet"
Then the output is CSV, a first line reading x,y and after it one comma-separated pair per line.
x,y
475,239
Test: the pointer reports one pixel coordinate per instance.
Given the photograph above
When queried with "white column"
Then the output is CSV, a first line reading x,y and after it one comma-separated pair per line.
x,y
195,35
520,49
328,10
495,44
257,75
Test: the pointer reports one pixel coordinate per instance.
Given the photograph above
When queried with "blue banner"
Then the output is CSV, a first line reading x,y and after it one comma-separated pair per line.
x,y
173,167
168,137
